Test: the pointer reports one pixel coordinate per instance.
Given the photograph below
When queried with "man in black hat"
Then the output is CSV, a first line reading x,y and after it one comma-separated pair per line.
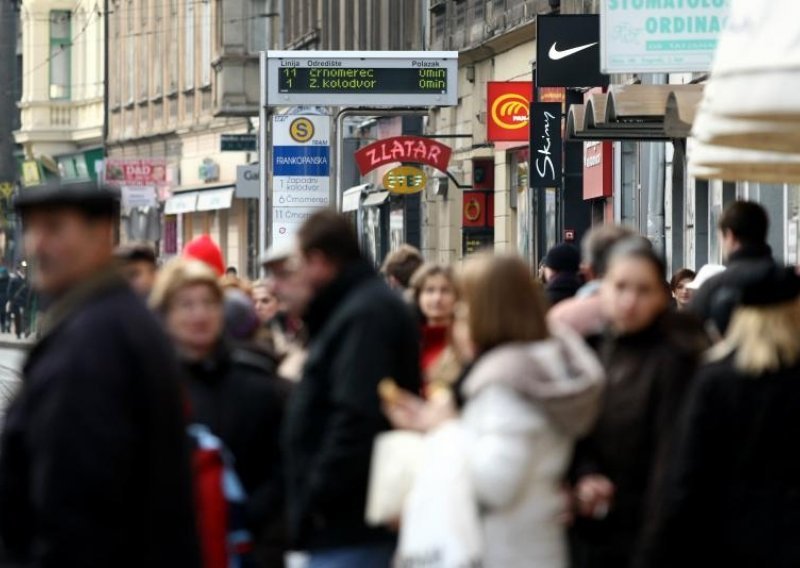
x,y
561,265
94,468
139,266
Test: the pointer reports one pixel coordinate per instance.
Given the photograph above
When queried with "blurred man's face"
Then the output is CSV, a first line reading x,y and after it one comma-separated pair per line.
x,y
65,247
141,275
730,244
266,302
292,291
315,269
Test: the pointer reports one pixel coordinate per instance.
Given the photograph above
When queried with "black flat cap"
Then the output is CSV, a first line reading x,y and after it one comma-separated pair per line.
x,y
563,257
771,285
85,195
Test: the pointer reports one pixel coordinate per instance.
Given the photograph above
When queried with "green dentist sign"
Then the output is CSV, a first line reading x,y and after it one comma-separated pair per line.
x,y
660,36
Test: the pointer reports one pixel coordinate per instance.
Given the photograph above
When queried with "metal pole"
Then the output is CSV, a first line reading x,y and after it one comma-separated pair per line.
x,y
339,126
263,170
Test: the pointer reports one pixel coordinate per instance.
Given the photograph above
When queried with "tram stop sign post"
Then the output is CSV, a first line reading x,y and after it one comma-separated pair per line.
x,y
368,79
352,79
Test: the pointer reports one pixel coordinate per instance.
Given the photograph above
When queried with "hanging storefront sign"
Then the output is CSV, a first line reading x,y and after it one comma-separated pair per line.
x,y
405,180
597,172
247,181
660,36
138,196
546,147
145,171
300,171
568,51
31,173
507,106
411,149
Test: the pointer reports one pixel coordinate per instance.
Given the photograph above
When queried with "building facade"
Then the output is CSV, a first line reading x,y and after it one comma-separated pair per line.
x,y
177,82
61,103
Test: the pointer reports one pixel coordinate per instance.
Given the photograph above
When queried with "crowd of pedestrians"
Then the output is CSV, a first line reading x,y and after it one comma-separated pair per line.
x,y
600,414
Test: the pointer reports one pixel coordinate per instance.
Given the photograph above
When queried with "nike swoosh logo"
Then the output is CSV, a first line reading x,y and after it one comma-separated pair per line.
x,y
555,54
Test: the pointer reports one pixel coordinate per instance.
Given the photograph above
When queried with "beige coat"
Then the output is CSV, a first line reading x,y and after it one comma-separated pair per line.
x,y
526,404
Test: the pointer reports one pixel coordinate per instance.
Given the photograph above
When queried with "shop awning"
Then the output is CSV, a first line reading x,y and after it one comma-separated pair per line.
x,y
206,200
635,112
375,199
215,199
181,203
351,198
748,124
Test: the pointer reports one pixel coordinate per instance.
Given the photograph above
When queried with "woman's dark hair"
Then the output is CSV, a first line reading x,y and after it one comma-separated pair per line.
x,y
639,248
680,276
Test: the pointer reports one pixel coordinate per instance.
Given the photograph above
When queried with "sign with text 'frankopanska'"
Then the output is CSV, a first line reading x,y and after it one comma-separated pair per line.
x,y
300,171
546,147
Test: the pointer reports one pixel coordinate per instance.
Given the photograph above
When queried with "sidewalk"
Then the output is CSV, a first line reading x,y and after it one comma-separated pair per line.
x,y
10,341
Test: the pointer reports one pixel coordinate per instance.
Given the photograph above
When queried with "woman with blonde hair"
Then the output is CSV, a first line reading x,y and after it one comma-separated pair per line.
x,y
529,393
234,395
732,495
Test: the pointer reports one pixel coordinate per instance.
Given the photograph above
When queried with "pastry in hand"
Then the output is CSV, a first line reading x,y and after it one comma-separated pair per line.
x,y
388,390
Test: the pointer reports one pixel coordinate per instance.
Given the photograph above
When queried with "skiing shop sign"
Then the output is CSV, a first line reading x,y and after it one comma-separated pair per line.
x,y
406,149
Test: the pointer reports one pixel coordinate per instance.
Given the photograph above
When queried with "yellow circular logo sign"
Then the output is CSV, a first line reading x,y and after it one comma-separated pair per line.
x,y
404,180
510,111
301,130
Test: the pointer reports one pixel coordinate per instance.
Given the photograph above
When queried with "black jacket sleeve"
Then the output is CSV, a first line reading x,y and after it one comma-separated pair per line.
x,y
681,506
364,357
83,446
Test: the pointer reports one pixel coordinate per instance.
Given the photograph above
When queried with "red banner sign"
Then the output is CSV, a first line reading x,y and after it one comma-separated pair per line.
x,y
507,110
597,175
409,149
147,171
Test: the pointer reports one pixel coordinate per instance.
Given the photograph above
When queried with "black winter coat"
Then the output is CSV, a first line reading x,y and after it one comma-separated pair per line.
x,y
716,300
94,463
360,332
238,396
648,373
563,286
732,493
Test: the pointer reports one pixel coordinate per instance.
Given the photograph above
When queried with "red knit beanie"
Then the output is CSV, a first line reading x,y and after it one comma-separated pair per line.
x,y
204,249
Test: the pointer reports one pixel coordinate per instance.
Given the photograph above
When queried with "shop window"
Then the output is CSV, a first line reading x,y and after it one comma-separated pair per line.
x,y
173,45
130,52
189,45
144,50
157,58
258,26
60,54
205,43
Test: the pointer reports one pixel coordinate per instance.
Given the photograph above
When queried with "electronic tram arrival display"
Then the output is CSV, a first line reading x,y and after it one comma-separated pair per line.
x,y
362,78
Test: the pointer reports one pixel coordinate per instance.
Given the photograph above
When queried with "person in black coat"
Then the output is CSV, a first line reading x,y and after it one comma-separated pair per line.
x,y
562,280
649,354
732,491
360,333
743,230
17,294
94,464
233,390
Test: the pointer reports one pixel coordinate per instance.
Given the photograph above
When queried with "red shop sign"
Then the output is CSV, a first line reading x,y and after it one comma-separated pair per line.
x,y
407,149
148,171
474,213
597,178
507,113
